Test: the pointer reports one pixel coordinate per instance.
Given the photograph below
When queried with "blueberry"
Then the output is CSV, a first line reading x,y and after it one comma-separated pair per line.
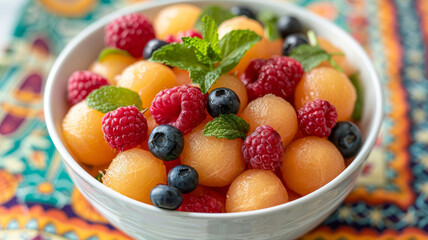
x,y
292,41
288,25
167,197
243,11
166,142
152,46
347,138
223,101
184,178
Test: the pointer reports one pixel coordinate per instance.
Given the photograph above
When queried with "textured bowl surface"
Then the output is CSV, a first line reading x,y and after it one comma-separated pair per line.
x,y
143,221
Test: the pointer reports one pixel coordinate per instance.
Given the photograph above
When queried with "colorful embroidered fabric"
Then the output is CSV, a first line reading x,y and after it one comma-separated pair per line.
x,y
38,199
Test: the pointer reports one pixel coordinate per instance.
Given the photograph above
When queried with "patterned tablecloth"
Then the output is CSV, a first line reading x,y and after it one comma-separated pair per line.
x,y
38,199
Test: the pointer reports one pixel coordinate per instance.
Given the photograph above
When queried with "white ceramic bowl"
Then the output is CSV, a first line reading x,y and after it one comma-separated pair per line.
x,y
143,221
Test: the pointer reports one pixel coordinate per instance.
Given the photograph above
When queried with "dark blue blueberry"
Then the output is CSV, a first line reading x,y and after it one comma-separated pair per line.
x,y
223,101
166,142
167,197
152,46
347,138
243,11
292,41
288,25
184,178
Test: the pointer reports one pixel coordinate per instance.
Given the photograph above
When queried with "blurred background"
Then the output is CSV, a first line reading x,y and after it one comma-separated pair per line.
x,y
38,199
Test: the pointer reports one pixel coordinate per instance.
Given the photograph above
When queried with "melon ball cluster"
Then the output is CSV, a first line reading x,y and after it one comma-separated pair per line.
x,y
201,113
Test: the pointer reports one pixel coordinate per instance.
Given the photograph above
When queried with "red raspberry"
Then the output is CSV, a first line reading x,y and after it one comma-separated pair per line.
x,y
130,33
124,128
278,75
263,149
182,107
81,83
317,118
189,33
204,200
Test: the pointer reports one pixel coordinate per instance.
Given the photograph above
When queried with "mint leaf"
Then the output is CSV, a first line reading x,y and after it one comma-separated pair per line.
x,y
180,56
233,47
203,50
358,108
210,34
309,56
109,98
227,126
205,79
99,177
269,20
218,14
107,51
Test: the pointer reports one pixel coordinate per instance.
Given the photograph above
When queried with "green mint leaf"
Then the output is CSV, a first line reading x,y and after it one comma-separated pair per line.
x,y
107,51
233,47
227,126
312,38
269,20
309,56
203,50
358,108
210,34
180,56
205,79
99,177
218,14
109,98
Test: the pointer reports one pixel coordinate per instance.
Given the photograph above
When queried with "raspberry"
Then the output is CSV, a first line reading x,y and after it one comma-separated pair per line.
x,y
278,75
182,107
317,118
124,128
200,203
81,83
189,33
130,33
263,149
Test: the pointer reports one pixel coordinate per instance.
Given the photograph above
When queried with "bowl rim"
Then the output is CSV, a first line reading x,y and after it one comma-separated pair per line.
x,y
66,156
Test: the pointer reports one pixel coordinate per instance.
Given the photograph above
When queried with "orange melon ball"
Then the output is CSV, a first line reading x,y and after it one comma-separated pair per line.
x,y
182,76
111,66
255,189
309,163
275,112
82,131
217,160
328,84
147,79
259,50
275,47
151,124
175,18
343,63
233,83
134,173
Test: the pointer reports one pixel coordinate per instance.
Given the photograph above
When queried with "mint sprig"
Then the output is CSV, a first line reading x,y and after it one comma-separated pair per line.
x,y
227,126
269,20
217,13
109,98
358,108
108,51
206,59
310,56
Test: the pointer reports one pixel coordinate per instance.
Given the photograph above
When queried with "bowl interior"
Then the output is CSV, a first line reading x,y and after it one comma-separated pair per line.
x,y
84,49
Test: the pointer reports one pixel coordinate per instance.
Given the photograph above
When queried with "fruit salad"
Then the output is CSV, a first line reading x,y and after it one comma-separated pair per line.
x,y
214,110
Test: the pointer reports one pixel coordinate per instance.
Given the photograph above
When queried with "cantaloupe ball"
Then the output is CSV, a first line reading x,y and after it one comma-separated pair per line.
x,y
182,76
255,189
275,112
309,163
328,84
341,60
147,79
259,50
82,131
175,18
134,173
217,160
236,85
112,66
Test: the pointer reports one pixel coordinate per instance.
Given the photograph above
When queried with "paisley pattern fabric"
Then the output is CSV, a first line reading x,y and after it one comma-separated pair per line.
x,y
38,199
